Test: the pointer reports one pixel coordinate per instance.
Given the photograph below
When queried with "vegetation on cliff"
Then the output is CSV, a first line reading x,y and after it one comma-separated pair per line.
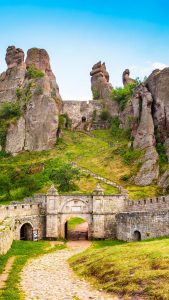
x,y
9,113
106,154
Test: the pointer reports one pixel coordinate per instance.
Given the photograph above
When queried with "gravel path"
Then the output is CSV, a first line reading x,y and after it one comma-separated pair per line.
x,y
50,278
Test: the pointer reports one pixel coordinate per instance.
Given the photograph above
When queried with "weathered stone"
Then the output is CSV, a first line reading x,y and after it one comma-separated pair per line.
x,y
15,140
39,58
101,88
14,76
145,132
14,57
126,78
37,129
149,170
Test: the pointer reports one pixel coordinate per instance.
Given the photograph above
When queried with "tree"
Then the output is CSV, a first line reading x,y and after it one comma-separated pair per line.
x,y
64,176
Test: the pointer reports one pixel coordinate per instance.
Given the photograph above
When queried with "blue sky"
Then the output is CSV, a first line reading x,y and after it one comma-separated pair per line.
x,y
77,34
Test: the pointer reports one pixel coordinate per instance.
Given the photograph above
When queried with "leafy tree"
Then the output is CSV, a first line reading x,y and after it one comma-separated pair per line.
x,y
64,176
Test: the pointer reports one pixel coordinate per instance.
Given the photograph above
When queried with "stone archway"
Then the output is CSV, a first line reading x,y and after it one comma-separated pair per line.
x,y
26,232
137,235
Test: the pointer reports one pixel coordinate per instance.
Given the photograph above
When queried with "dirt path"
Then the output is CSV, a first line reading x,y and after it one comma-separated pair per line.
x,y
5,273
50,278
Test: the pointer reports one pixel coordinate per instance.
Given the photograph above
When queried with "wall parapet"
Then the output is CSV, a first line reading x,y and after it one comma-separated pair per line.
x,y
155,203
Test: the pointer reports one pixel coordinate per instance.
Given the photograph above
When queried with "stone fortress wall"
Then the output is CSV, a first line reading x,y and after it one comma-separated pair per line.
x,y
108,216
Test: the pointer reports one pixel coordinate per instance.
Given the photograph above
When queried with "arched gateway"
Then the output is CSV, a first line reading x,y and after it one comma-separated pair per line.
x,y
97,209
26,232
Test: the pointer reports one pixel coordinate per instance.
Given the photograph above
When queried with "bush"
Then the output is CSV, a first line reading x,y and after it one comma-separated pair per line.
x,y
33,73
161,150
65,121
105,115
39,90
9,110
95,93
123,95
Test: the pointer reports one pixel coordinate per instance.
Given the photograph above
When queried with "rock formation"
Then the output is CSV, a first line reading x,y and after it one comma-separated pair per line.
x,y
101,88
38,96
14,76
126,78
144,138
149,109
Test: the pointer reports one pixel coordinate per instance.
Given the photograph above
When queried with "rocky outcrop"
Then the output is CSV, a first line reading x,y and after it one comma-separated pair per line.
x,y
144,138
126,78
100,86
38,97
158,85
14,76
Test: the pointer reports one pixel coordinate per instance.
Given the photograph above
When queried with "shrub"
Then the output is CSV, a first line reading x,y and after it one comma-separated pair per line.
x,y
9,110
95,93
33,73
125,177
123,95
161,150
105,115
39,90
64,121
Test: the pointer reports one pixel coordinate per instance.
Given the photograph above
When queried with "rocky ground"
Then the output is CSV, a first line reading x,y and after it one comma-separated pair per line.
x,y
49,278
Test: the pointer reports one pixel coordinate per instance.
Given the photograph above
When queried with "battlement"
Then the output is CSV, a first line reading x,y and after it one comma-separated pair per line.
x,y
19,210
158,203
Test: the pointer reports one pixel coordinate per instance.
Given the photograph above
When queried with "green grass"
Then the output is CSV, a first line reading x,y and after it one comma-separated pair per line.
x,y
22,251
73,222
137,269
113,161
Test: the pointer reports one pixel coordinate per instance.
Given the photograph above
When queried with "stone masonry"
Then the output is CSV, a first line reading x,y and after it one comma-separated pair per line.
x,y
108,216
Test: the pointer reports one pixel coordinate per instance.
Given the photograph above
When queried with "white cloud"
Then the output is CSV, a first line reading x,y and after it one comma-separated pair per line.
x,y
158,65
145,69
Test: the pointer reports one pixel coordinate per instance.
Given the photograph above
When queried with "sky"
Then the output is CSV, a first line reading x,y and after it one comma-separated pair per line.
x,y
77,34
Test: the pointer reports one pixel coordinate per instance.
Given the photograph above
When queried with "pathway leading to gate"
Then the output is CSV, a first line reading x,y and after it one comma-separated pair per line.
x,y
50,278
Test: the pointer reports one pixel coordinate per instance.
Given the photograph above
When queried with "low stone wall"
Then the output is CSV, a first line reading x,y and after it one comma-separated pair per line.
x,y
149,224
6,235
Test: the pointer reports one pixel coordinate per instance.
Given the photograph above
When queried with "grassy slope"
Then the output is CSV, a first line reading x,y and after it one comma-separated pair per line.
x,y
22,252
73,222
94,154
127,269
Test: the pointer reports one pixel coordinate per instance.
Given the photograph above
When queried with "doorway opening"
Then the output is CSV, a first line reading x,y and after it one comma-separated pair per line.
x,y
83,119
76,229
26,232
137,235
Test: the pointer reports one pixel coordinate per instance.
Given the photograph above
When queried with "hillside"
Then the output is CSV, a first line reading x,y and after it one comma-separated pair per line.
x,y
130,270
103,152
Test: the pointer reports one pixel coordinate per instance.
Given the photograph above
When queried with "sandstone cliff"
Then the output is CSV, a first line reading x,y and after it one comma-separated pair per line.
x,y
149,111
33,85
